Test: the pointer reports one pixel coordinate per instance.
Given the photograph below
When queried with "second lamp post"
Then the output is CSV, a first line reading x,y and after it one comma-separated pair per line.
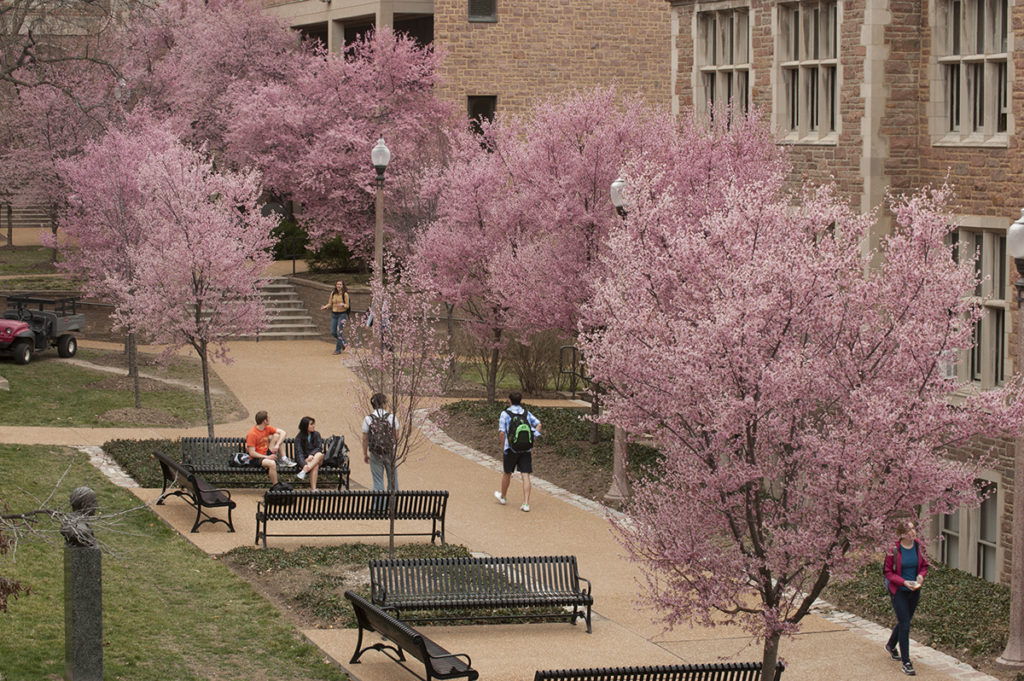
x,y
380,156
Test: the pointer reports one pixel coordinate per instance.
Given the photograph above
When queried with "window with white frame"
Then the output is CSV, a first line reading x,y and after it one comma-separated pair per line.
x,y
971,50
807,49
986,362
723,60
970,536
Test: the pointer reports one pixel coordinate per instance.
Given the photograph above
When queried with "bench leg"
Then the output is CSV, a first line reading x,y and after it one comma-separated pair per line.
x,y
231,525
199,514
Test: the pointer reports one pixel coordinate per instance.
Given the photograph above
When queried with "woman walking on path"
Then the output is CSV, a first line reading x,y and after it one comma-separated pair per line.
x,y
339,304
309,451
905,570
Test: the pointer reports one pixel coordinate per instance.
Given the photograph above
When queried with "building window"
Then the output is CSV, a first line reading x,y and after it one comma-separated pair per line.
x,y
480,108
985,364
483,10
970,536
970,44
808,37
723,60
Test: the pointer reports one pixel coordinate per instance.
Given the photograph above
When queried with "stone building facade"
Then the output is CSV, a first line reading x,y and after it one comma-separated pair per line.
x,y
890,95
505,55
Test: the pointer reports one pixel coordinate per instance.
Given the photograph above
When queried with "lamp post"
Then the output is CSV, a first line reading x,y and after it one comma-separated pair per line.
x,y
1013,655
619,490
380,156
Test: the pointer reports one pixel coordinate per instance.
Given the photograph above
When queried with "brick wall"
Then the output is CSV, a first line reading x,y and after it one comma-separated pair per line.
x,y
538,49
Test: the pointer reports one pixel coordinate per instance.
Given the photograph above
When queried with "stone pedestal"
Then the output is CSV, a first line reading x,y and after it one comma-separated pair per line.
x,y
83,614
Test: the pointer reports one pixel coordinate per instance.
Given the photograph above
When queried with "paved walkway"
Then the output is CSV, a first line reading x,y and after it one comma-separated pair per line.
x,y
303,378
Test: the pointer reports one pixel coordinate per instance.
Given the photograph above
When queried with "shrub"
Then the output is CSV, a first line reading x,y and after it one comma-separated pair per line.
x,y
333,256
535,364
136,458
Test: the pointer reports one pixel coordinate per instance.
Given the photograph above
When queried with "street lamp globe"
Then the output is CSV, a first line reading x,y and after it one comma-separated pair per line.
x,y
380,155
1015,238
618,200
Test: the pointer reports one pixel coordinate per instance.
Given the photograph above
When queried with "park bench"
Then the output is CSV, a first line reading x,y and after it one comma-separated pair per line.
x,y
351,505
519,583
724,671
210,456
439,662
195,490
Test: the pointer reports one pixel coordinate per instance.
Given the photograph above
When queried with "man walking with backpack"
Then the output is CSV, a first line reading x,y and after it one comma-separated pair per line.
x,y
380,433
518,429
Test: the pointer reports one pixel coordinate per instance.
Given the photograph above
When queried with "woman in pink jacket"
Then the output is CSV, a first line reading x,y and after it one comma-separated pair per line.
x,y
905,570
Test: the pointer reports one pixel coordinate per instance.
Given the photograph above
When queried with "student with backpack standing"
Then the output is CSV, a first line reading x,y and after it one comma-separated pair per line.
x,y
518,429
380,433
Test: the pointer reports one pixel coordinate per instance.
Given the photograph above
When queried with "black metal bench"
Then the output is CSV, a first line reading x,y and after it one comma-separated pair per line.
x,y
195,490
725,671
439,662
520,583
210,456
351,505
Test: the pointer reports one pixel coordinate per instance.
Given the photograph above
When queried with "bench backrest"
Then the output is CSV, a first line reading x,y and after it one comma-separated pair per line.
x,y
174,470
373,618
723,671
468,576
331,504
205,452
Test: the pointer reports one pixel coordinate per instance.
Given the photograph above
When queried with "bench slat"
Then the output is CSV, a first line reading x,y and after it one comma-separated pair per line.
x,y
719,671
351,505
466,583
210,456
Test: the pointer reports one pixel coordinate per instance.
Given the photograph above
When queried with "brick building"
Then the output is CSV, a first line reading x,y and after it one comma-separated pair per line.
x,y
888,95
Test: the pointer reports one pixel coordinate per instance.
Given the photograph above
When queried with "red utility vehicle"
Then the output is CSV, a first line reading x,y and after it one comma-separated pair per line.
x,y
33,324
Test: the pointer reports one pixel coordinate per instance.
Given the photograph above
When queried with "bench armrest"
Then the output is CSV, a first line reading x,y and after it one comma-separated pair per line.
x,y
454,656
589,585
225,491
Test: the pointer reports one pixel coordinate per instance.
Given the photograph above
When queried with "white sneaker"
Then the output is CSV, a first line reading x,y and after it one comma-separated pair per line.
x,y
285,461
302,475
525,507
501,499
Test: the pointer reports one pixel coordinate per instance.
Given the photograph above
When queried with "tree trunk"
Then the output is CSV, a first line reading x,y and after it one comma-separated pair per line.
x,y
53,229
133,368
205,361
450,309
595,411
10,227
392,503
492,369
770,657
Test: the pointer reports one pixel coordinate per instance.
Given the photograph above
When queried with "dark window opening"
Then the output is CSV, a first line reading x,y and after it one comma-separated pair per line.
x,y
420,28
480,108
314,33
483,10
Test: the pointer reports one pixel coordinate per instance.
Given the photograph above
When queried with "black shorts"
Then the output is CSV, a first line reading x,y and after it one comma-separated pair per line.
x,y
513,460
255,462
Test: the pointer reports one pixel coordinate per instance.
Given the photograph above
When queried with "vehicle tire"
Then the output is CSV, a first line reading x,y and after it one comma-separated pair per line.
x,y
22,352
67,345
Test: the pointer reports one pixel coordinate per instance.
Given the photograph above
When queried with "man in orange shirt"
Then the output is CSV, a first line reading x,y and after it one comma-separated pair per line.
x,y
263,443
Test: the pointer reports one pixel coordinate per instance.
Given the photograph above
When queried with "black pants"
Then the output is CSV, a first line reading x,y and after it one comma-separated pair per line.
x,y
904,603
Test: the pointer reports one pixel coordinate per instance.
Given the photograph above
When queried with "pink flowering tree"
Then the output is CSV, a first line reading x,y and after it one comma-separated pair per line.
x,y
793,382
457,256
403,357
311,135
102,230
201,264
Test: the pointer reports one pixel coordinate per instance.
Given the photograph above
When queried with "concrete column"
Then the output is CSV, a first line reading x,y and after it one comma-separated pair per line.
x,y
83,614
335,36
385,13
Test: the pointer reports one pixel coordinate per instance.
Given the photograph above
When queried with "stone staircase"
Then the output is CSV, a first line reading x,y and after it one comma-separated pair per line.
x,y
288,318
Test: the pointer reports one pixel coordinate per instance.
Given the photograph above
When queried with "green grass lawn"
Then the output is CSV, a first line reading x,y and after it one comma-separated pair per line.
x,y
26,260
50,391
170,611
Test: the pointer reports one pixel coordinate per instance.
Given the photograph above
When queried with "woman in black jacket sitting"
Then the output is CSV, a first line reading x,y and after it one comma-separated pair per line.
x,y
309,450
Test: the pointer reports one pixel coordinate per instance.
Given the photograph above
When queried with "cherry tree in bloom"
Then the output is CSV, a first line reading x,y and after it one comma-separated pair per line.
x,y
794,386
311,134
561,160
201,263
457,255
101,231
193,60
